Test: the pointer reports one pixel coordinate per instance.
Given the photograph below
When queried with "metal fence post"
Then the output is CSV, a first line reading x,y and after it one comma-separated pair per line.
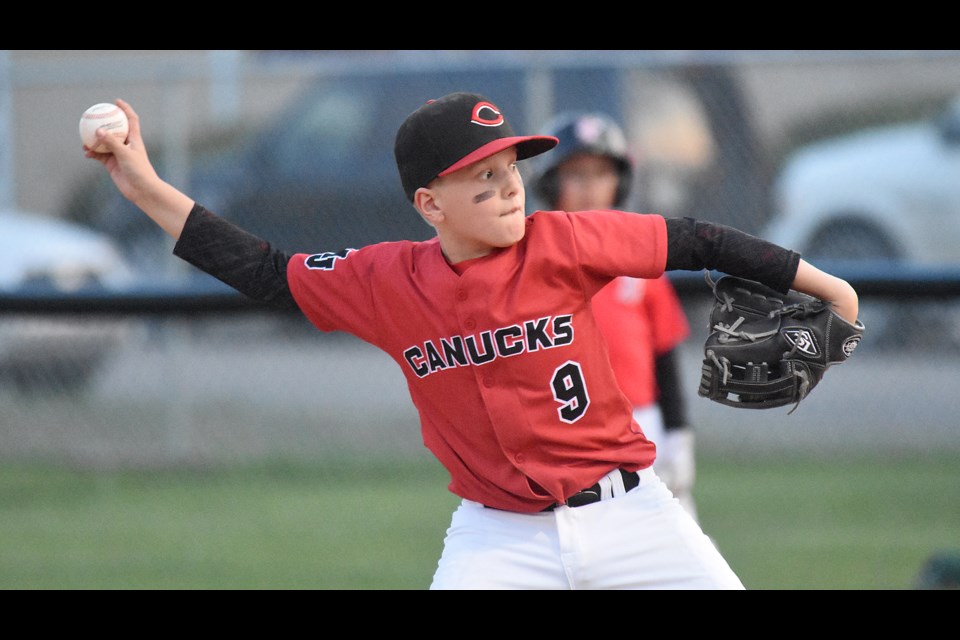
x,y
225,89
8,194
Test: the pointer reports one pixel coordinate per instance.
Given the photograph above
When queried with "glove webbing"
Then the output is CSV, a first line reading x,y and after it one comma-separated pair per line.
x,y
729,332
796,377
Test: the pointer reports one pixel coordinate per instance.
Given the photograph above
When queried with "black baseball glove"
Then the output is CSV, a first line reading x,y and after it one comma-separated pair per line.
x,y
767,349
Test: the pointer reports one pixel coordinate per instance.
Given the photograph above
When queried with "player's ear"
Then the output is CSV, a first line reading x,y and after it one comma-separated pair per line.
x,y
425,201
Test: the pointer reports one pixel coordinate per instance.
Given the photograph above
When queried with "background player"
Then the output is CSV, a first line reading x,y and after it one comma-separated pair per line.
x,y
642,320
490,323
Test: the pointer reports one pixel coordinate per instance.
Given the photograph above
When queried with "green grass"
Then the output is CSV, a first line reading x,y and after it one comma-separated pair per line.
x,y
782,524
831,524
273,527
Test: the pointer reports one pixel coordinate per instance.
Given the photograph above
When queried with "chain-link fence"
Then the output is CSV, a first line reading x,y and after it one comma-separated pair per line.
x,y
297,147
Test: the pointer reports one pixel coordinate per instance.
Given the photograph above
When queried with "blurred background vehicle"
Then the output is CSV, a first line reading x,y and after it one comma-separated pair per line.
x,y
880,195
42,255
320,174
884,193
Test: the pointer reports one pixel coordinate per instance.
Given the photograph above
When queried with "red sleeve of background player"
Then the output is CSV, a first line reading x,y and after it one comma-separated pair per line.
x,y
668,321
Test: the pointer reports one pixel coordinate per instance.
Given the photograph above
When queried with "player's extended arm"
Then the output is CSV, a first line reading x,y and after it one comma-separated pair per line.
x,y
695,244
210,243
134,175
820,284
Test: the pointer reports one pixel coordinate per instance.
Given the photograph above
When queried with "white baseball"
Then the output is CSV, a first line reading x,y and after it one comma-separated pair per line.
x,y
106,115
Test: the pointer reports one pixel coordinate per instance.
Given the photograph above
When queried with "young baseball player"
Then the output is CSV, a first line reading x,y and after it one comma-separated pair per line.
x,y
642,320
490,322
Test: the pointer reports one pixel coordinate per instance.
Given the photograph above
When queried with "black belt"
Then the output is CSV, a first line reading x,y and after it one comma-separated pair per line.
x,y
631,480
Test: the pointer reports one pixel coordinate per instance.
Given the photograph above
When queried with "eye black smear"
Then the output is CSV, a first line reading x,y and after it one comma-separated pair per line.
x,y
486,195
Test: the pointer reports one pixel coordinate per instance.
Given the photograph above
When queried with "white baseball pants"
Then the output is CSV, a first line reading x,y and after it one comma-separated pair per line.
x,y
641,540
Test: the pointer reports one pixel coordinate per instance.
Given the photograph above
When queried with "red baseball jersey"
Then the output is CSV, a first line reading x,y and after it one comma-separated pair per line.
x,y
502,355
641,320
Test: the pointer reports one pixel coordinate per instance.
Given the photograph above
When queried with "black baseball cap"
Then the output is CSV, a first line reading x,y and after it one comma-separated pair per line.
x,y
453,131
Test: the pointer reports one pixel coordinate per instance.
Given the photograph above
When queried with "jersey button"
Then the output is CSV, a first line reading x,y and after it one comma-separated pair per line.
x,y
469,324
461,295
520,458
487,382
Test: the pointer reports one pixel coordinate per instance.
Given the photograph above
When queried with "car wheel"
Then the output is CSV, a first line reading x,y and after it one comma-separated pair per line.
x,y
51,375
65,378
854,239
851,239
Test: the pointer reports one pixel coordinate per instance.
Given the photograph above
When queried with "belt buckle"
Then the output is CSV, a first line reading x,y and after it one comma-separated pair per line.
x,y
580,498
584,497
592,494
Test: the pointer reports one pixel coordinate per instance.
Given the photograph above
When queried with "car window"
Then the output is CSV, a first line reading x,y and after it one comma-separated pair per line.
x,y
949,122
345,126
334,126
670,139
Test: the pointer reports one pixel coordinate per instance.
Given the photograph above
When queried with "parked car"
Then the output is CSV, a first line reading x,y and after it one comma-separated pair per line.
x,y
42,255
887,193
320,175
875,198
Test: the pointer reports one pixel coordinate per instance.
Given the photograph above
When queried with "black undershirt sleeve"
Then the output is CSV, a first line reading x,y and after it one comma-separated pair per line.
x,y
235,257
670,396
251,266
694,244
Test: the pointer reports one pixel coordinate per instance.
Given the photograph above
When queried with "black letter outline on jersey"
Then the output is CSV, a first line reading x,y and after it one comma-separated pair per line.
x,y
327,260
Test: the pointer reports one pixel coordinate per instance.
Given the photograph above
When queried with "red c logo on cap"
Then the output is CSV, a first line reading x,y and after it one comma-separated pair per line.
x,y
487,115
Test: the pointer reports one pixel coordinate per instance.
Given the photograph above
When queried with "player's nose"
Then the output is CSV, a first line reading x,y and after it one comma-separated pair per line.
x,y
513,185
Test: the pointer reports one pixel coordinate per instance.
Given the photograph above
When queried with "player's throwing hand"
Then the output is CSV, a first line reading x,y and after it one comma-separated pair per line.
x,y
133,174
